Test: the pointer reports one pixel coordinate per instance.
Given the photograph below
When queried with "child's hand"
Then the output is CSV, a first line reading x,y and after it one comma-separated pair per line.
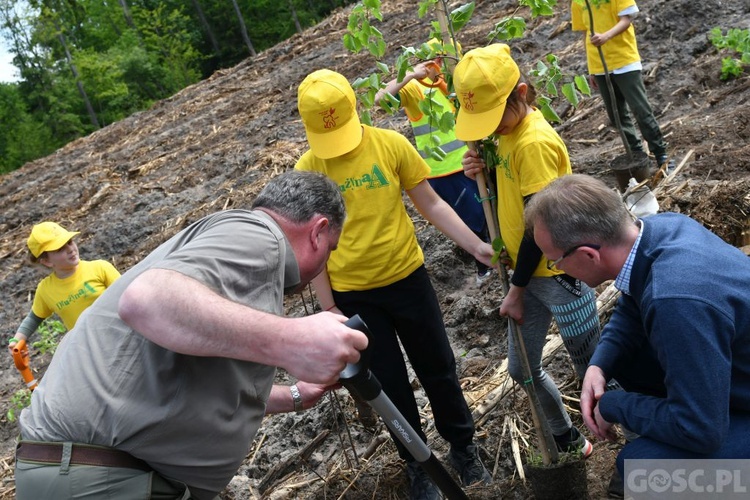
x,y
472,164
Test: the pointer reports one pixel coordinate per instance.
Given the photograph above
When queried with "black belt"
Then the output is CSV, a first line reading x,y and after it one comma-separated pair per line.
x,y
81,454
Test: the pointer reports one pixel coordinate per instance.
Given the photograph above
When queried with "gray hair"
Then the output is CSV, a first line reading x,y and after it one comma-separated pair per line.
x,y
578,208
299,196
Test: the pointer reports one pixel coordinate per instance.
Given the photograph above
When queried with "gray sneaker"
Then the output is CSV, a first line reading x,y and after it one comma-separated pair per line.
x,y
421,486
469,466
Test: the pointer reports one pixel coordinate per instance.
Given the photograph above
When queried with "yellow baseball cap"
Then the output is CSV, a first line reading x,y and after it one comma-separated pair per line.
x,y
483,78
328,108
48,237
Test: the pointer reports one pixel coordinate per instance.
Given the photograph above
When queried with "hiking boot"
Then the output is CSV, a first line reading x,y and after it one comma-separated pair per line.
x,y
469,466
421,486
574,442
616,487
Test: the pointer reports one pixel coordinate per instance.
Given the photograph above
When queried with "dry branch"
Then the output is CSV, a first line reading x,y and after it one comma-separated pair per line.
x,y
291,463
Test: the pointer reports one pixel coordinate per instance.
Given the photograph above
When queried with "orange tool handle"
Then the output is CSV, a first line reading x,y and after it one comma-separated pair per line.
x,y
21,359
439,80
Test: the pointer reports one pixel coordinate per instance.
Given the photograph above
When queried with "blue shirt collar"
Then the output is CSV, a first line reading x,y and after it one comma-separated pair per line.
x,y
622,282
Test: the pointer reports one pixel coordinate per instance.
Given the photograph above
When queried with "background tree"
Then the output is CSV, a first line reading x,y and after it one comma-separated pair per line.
x,y
84,64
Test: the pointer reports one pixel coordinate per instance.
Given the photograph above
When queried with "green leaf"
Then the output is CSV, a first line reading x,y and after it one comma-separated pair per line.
x,y
570,94
497,244
371,4
425,6
551,89
541,69
508,29
360,83
549,113
447,122
389,103
582,84
437,154
461,16
365,117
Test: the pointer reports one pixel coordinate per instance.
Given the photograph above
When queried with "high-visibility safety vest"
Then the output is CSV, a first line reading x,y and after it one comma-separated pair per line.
x,y
453,148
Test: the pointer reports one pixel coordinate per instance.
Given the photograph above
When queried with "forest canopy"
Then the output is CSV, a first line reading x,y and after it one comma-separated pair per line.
x,y
85,64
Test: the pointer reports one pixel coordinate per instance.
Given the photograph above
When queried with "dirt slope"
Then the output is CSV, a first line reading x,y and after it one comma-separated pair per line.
x,y
130,186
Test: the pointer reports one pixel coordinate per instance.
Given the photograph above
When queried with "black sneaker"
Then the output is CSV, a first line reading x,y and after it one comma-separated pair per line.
x,y
574,442
421,486
469,466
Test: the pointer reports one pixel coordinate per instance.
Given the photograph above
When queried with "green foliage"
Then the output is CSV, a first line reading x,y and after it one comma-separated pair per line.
x,y
51,332
20,400
508,28
737,42
548,76
361,34
460,17
488,151
539,7
125,56
24,138
535,459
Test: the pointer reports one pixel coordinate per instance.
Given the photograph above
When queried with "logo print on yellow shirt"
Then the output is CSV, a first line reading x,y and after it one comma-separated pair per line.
x,y
375,179
87,289
505,164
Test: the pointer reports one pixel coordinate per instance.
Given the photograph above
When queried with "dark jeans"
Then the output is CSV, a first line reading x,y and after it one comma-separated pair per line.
x,y
643,374
630,94
736,445
408,310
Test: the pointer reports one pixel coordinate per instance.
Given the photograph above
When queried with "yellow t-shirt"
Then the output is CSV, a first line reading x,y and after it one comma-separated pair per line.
x,y
69,297
531,157
621,50
378,245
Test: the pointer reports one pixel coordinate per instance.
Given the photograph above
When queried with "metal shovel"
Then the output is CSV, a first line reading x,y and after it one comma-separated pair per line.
x,y
358,379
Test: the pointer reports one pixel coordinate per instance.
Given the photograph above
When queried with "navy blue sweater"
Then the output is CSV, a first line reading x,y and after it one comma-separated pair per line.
x,y
687,321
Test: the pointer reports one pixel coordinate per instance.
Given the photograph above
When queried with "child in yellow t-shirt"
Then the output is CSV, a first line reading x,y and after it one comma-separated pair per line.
x,y
613,33
72,284
495,99
418,87
378,272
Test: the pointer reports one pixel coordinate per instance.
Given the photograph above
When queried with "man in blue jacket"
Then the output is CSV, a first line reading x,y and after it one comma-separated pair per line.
x,y
679,339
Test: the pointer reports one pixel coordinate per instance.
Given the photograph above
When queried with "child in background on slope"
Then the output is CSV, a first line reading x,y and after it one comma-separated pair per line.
x,y
446,175
378,271
613,32
72,284
495,99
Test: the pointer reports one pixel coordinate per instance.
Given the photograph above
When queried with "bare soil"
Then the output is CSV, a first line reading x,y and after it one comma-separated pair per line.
x,y
131,185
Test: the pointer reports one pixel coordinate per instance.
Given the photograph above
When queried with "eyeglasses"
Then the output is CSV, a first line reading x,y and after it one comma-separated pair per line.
x,y
552,264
